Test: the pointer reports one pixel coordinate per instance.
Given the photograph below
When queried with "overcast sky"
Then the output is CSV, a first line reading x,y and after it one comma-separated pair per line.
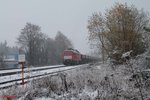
x,y
68,16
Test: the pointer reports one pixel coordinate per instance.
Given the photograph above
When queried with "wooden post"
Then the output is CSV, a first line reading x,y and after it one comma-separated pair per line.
x,y
22,74
21,60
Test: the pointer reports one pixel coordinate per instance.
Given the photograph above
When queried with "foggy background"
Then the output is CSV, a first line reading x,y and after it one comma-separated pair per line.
x,y
68,16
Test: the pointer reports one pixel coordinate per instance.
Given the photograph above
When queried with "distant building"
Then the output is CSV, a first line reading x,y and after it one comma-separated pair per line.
x,y
11,61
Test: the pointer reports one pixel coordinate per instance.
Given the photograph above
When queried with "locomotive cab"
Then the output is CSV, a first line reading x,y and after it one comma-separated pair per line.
x,y
71,57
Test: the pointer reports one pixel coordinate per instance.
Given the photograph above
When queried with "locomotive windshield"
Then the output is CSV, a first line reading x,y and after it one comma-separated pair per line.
x,y
67,52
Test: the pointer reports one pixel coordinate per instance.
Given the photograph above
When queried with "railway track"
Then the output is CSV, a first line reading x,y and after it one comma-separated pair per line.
x,y
26,71
13,82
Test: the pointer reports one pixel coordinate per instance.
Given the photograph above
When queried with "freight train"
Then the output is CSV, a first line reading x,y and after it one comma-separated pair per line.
x,y
73,57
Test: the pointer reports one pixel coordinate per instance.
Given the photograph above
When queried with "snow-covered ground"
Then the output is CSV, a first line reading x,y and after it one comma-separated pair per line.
x,y
30,74
88,82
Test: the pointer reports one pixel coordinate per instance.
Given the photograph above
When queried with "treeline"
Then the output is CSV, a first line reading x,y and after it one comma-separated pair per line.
x,y
39,48
4,51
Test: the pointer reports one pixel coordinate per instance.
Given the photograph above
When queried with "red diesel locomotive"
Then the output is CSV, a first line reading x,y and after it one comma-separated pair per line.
x,y
71,57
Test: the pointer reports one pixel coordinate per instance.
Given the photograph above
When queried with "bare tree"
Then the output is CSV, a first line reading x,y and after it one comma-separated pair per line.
x,y
120,30
50,51
96,32
62,43
31,40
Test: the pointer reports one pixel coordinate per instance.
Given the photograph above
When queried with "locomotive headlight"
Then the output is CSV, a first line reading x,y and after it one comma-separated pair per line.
x,y
67,57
